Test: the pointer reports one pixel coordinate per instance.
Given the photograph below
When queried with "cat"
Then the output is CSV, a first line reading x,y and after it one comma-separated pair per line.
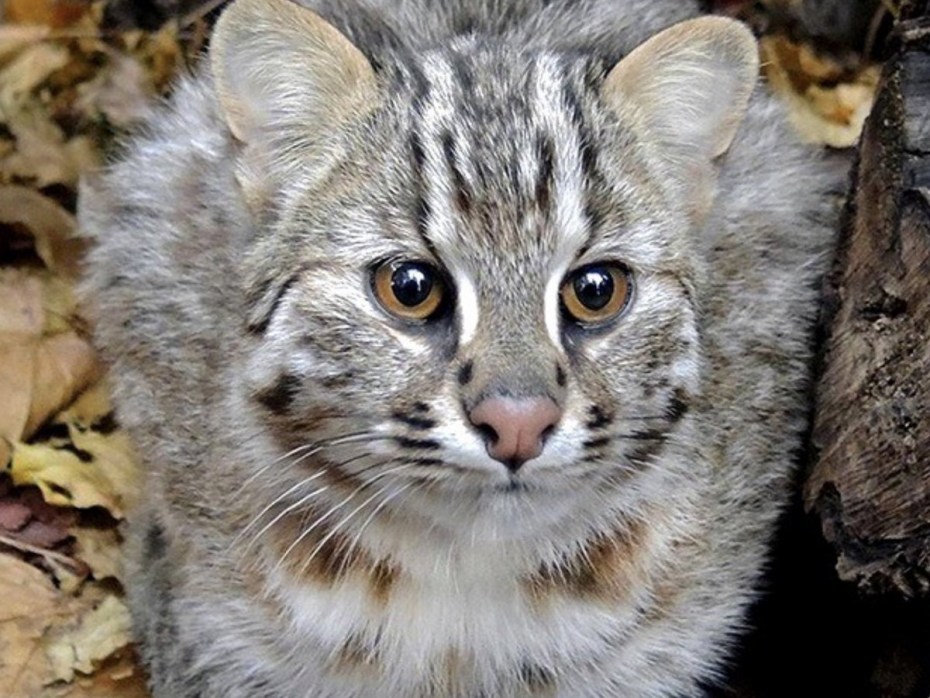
x,y
466,345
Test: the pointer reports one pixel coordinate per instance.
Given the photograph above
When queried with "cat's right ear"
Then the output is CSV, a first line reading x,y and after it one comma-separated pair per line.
x,y
686,90
286,80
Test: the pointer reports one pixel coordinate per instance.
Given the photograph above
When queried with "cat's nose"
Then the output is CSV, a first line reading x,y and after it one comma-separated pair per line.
x,y
515,429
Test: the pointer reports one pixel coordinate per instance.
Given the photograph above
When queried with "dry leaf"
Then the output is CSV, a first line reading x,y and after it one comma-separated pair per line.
x,y
43,364
826,105
65,364
14,39
54,13
119,677
22,316
99,633
96,468
121,91
106,480
40,156
100,549
21,320
27,71
51,226
30,605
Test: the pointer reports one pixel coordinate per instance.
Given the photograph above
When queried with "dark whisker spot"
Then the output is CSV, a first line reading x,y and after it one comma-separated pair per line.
x,y
560,377
420,407
414,421
677,406
466,372
428,462
280,396
598,418
426,444
651,435
596,443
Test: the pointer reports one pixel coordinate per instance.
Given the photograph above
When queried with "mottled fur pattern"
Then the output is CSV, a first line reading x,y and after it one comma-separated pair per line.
x,y
321,518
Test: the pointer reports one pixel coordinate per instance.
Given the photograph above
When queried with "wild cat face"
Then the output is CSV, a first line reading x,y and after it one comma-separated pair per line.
x,y
475,273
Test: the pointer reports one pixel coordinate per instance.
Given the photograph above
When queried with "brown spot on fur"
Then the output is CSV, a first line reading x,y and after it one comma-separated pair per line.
x,y
355,656
604,569
663,602
382,578
324,557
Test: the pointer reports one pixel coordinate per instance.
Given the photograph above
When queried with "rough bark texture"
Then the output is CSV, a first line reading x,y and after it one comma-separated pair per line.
x,y
870,484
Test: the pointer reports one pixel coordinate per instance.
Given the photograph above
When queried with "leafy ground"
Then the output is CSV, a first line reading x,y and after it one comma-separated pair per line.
x,y
69,84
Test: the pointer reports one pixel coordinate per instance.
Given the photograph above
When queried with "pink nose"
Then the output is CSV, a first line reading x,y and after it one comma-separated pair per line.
x,y
515,428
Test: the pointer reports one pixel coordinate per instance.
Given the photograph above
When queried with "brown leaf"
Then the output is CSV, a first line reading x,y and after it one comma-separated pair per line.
x,y
42,155
28,70
121,91
52,227
53,13
65,365
827,104
14,38
13,515
30,605
100,549
40,535
39,372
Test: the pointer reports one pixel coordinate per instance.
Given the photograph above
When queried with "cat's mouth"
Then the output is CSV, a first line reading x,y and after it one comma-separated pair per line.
x,y
512,486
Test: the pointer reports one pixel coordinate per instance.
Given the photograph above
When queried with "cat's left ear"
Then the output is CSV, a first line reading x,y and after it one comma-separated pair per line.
x,y
286,81
687,88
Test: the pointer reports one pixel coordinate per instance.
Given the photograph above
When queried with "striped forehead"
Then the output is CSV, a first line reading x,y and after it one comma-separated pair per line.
x,y
499,165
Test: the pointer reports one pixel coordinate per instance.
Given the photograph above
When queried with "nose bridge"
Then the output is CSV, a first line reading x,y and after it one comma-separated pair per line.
x,y
512,354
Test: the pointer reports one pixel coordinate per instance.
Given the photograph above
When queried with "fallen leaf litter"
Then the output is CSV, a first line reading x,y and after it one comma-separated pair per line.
x,y
69,478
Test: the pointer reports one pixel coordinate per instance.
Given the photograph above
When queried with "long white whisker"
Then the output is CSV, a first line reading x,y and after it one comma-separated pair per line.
x,y
329,513
298,503
316,447
335,529
358,536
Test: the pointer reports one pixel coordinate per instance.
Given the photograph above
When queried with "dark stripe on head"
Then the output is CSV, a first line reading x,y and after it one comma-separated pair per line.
x,y
258,325
460,189
678,405
545,153
462,71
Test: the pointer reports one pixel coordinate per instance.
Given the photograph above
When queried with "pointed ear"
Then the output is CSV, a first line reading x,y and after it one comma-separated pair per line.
x,y
286,80
689,85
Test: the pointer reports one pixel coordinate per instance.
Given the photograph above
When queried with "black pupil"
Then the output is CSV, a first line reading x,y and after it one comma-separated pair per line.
x,y
411,284
594,287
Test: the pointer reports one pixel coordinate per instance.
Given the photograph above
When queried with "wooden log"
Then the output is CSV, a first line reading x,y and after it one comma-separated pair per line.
x,y
870,480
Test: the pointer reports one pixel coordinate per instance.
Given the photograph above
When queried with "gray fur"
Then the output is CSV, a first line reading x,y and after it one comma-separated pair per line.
x,y
240,328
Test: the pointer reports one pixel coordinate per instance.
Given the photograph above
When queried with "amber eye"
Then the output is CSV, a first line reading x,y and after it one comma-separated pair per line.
x,y
409,290
597,293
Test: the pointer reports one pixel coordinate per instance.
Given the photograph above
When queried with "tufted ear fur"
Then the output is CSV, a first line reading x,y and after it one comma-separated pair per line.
x,y
285,80
687,89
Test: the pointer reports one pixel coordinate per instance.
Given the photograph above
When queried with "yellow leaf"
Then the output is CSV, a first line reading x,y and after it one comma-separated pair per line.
x,y
100,549
29,70
99,633
106,477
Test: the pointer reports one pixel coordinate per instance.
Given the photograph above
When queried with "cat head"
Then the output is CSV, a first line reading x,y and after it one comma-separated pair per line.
x,y
474,267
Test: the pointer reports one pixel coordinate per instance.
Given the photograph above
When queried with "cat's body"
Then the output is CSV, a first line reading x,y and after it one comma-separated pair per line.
x,y
323,518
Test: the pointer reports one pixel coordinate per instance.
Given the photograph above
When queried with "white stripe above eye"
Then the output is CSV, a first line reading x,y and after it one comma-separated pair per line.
x,y
467,305
570,221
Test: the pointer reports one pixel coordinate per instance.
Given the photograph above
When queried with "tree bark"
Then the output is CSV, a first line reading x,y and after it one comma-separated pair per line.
x,y
870,481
